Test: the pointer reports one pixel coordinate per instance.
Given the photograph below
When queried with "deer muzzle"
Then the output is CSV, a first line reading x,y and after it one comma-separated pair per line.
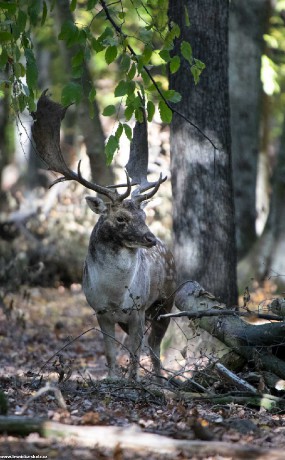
x,y
149,240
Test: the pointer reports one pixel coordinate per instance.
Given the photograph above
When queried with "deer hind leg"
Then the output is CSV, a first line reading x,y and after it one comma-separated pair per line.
x,y
108,329
158,330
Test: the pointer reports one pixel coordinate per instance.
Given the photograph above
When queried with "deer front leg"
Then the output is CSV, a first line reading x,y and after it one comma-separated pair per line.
x,y
136,330
107,327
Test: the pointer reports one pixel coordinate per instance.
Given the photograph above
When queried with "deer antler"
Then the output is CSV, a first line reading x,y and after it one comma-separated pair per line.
x,y
46,135
142,197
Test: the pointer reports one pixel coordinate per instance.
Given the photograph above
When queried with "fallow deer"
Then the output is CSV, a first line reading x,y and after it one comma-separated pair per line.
x,y
129,274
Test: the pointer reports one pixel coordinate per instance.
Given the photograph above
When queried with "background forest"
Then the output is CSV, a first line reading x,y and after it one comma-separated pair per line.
x,y
256,96
211,78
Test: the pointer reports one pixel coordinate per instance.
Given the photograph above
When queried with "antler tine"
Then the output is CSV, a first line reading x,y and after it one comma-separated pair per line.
x,y
113,195
149,195
121,197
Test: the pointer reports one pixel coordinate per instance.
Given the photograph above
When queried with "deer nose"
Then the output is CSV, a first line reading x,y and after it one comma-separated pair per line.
x,y
150,239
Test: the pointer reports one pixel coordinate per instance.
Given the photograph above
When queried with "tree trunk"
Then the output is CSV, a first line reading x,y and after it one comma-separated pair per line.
x,y
248,23
91,128
35,175
201,176
4,123
267,256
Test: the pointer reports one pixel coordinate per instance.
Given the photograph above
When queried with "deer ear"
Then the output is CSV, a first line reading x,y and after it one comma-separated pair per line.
x,y
96,204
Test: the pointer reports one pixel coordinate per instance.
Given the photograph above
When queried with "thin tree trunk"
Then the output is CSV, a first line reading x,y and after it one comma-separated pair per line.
x,y
267,256
201,176
4,123
248,23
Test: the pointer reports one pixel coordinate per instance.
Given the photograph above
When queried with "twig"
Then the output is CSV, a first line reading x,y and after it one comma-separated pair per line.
x,y
46,389
215,312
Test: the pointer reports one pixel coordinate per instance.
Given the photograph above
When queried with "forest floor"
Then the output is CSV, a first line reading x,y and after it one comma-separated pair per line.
x,y
35,326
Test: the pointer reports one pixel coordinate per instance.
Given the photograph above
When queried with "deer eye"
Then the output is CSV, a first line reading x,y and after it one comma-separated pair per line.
x,y
120,219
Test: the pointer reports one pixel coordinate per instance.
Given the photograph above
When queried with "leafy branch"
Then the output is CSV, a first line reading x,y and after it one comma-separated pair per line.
x,y
135,55
187,53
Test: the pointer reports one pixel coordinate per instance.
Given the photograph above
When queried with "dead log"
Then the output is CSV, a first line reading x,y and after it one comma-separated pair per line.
x,y
132,438
249,341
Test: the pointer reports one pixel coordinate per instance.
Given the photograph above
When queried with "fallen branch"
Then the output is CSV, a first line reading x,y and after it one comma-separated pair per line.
x,y
234,379
221,312
46,389
132,438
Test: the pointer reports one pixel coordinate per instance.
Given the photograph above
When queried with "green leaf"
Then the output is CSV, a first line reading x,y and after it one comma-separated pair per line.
x,y
164,54
131,87
139,115
108,33
22,100
44,15
175,30
73,5
76,72
19,70
187,20
121,89
197,69
5,37
125,62
172,96
3,58
21,20
140,63
201,66
165,112
72,92
96,45
78,58
119,131
92,95
69,32
196,74
146,55
31,69
150,110
174,64
132,72
10,7
128,131
34,11
31,103
145,78
91,4
186,51
129,112
109,110
111,54
110,148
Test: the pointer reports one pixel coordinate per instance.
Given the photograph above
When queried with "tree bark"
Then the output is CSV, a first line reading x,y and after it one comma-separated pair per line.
x,y
4,124
203,211
248,23
267,256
